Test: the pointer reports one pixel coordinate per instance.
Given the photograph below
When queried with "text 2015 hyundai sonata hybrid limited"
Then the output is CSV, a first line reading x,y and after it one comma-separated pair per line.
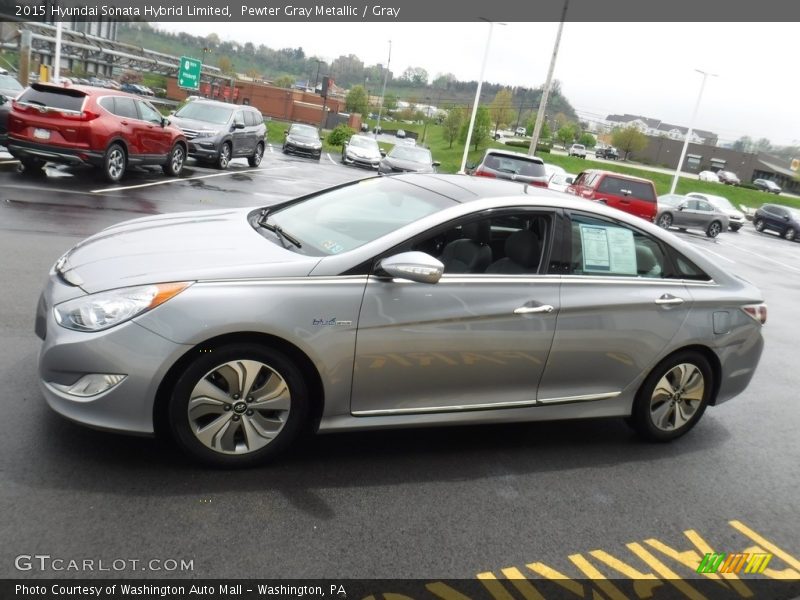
x,y
390,302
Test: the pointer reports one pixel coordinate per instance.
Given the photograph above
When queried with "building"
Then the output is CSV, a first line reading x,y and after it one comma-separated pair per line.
x,y
656,127
102,30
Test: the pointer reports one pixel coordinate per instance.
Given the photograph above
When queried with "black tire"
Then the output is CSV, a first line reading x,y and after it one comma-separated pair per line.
x,y
115,162
714,229
255,160
790,234
31,163
646,403
682,229
175,162
665,221
224,156
735,228
759,224
203,366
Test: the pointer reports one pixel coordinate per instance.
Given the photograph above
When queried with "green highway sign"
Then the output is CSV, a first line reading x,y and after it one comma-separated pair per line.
x,y
189,73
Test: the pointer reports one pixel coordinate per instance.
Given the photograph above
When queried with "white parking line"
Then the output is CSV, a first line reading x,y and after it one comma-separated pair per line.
x,y
271,151
175,180
719,255
328,154
761,256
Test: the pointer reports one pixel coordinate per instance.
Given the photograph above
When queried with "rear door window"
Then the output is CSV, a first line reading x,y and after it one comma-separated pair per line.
x,y
125,107
250,119
610,185
59,98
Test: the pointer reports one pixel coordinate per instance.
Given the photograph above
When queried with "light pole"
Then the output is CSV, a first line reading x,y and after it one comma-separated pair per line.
x,y
316,77
705,75
428,118
477,96
383,93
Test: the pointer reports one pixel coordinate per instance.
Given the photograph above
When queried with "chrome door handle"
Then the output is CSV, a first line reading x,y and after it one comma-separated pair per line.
x,y
526,310
669,299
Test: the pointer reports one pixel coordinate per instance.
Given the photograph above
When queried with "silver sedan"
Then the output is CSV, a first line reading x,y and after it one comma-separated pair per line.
x,y
390,302
688,212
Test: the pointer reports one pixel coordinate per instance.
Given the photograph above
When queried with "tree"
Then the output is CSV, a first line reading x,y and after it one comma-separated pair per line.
x,y
390,102
357,100
544,134
588,140
743,144
501,108
284,81
212,39
452,124
763,145
481,129
253,74
628,140
225,65
566,134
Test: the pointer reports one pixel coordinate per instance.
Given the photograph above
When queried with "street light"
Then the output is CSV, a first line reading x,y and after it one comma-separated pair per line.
x,y
705,75
383,93
477,96
316,77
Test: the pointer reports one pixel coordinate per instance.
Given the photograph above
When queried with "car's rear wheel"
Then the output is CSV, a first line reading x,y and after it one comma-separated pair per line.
x,y
32,163
174,164
224,157
673,397
238,406
790,234
714,229
665,221
114,163
255,160
759,224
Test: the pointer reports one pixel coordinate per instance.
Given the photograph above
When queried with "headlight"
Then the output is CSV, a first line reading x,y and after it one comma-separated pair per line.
x,y
205,133
96,312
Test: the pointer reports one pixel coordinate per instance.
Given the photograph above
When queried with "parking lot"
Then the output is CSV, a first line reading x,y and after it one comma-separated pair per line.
x,y
551,500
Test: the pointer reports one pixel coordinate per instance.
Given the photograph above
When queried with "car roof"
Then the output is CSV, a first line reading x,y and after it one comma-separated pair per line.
x,y
465,188
622,175
512,154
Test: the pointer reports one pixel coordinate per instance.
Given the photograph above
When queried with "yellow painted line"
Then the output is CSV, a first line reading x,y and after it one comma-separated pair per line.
x,y
767,545
665,572
644,583
704,547
445,592
556,577
495,588
597,577
524,587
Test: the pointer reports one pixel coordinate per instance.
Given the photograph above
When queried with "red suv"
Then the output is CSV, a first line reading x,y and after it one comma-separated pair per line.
x,y
624,192
96,126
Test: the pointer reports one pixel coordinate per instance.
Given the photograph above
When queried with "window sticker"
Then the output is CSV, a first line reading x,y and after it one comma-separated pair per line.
x,y
608,250
332,246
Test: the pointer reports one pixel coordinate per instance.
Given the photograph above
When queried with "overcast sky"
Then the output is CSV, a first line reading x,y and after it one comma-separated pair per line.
x,y
639,68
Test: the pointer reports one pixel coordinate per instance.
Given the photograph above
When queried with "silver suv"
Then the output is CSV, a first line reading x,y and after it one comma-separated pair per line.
x,y
218,132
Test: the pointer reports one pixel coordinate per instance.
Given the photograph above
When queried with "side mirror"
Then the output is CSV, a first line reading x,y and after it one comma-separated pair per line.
x,y
383,152
414,266
569,180
681,206
172,113
164,121
345,144
238,125
436,163
785,217
285,132
471,166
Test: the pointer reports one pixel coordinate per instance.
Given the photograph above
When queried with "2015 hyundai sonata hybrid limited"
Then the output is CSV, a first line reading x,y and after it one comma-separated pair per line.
x,y
390,302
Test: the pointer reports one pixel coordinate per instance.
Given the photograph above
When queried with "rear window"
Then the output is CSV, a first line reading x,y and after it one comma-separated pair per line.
x,y
514,164
58,98
637,189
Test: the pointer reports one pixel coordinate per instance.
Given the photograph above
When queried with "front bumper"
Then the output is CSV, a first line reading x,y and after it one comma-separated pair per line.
x,y
23,149
302,150
366,163
204,149
127,349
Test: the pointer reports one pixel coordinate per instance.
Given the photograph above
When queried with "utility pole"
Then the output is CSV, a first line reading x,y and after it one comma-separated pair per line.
x,y
57,58
383,93
537,129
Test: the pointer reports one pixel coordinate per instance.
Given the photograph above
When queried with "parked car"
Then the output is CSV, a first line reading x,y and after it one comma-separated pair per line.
x,y
728,177
303,140
560,181
578,150
362,151
630,194
365,127
550,170
708,176
10,88
5,110
400,133
505,164
243,354
520,131
219,132
607,152
765,185
130,88
88,125
403,159
736,218
683,212
780,219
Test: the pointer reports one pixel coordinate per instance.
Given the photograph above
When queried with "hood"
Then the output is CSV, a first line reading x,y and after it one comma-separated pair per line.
x,y
188,246
304,139
364,152
196,125
407,165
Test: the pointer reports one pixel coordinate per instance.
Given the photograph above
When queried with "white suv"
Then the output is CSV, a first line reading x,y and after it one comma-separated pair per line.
x,y
578,150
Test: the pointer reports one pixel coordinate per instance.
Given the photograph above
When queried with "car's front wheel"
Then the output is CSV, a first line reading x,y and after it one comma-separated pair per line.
x,y
759,224
665,221
673,397
790,234
714,229
224,158
174,164
114,163
238,406
255,160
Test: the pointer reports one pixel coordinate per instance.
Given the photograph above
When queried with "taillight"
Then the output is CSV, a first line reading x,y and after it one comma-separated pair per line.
x,y
482,173
587,194
539,184
86,115
757,312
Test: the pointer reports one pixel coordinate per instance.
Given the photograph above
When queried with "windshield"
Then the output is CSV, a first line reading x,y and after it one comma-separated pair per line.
x,y
9,83
345,218
363,142
671,199
520,165
304,131
210,113
721,202
420,155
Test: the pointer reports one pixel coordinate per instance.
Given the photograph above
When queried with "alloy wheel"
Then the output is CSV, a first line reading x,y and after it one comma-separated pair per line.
x,y
676,397
177,159
116,163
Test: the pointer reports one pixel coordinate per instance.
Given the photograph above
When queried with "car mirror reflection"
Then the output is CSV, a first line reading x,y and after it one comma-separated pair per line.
x,y
414,266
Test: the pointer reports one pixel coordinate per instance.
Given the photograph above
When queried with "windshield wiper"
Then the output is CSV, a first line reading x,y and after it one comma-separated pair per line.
x,y
278,231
